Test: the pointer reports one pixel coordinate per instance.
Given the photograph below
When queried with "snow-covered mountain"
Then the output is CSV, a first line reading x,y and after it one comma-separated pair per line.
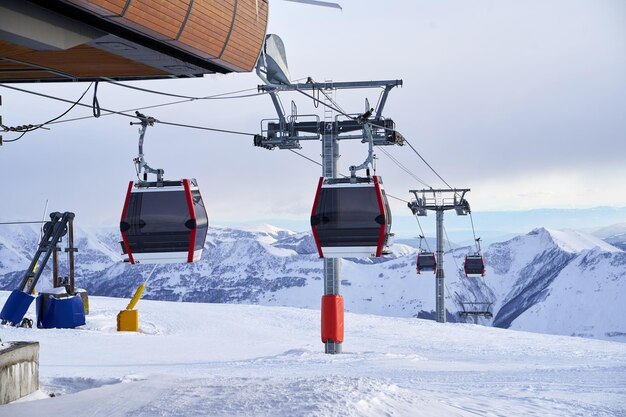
x,y
561,282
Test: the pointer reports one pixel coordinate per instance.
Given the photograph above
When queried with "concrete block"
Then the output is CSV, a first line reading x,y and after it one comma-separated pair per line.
x,y
19,370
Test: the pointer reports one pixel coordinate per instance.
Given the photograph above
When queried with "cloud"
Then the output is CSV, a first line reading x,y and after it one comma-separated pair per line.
x,y
524,102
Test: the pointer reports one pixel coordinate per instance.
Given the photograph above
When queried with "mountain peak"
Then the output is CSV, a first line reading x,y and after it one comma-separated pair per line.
x,y
573,241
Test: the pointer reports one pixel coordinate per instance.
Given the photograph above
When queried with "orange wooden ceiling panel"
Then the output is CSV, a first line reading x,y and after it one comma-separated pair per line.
x,y
208,26
9,49
29,75
13,66
79,62
114,6
164,18
247,36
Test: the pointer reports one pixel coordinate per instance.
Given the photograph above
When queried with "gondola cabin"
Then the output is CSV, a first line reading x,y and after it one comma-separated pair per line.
x,y
474,265
351,218
163,222
426,261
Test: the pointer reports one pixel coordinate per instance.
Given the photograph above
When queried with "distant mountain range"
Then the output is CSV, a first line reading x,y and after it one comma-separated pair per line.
x,y
560,282
614,234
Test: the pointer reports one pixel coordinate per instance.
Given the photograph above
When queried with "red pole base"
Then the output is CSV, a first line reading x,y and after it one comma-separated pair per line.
x,y
332,318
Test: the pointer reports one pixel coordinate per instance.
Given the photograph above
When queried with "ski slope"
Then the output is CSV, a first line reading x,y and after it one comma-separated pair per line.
x,y
192,359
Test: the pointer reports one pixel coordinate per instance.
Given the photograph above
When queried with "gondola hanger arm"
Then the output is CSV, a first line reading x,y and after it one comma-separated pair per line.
x,y
370,161
478,244
140,162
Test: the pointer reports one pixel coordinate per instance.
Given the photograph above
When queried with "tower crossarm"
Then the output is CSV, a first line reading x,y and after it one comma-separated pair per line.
x,y
439,199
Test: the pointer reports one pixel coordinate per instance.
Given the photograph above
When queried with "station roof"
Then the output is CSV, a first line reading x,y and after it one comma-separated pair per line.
x,y
81,40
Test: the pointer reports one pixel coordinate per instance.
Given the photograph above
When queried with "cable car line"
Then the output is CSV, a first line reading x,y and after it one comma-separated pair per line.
x,y
63,99
329,98
327,105
472,220
464,291
212,129
123,112
30,128
190,98
307,158
450,247
404,168
25,222
118,113
427,164
396,198
422,233
170,103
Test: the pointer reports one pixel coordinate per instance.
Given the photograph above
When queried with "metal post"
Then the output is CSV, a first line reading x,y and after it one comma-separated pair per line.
x,y
436,200
332,266
283,135
440,286
55,267
70,241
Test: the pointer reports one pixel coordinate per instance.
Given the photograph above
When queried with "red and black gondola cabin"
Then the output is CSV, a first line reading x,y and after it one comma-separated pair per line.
x,y
426,261
163,222
474,265
351,218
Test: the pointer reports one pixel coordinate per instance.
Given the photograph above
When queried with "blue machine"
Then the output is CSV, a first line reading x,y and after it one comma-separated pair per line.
x,y
64,312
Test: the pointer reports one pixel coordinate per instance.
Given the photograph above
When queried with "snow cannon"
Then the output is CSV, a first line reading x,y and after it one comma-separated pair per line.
x,y
128,319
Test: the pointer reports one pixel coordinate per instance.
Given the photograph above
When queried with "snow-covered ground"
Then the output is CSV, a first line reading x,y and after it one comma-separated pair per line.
x,y
192,359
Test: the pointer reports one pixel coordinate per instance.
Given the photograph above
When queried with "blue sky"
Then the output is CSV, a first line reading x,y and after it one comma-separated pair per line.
x,y
523,102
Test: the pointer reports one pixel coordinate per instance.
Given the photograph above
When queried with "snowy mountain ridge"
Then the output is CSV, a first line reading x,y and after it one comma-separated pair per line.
x,y
573,241
540,281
